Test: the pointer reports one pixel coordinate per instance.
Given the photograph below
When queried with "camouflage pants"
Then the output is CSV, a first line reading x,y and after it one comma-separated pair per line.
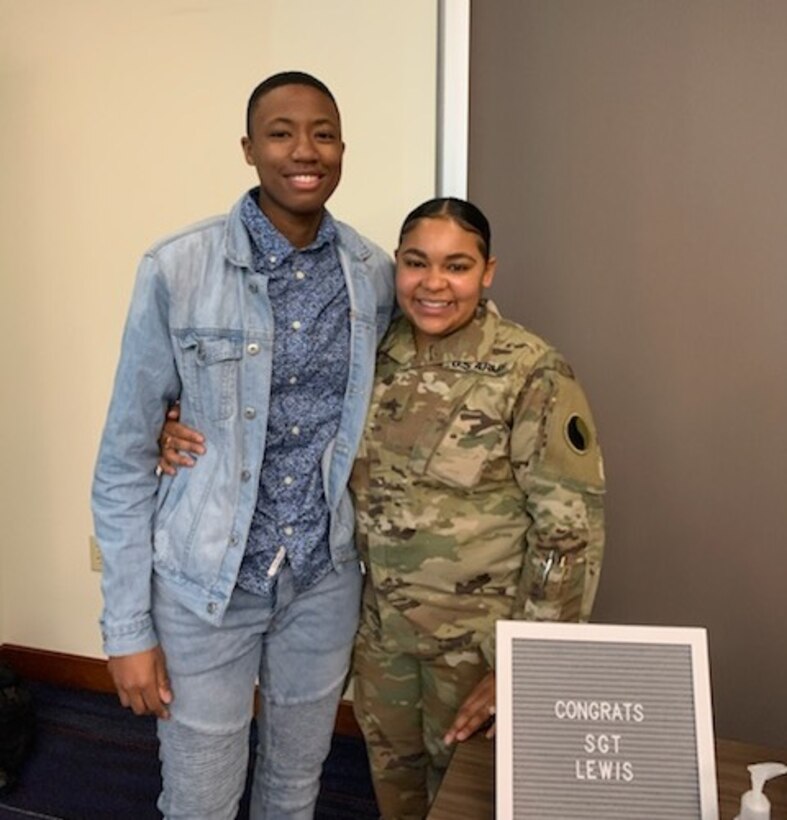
x,y
404,703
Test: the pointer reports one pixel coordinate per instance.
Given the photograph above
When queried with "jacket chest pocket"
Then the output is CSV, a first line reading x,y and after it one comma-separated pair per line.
x,y
470,450
210,364
456,437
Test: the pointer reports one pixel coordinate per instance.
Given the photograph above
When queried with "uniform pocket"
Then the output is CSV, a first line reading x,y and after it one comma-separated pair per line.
x,y
470,447
467,458
209,365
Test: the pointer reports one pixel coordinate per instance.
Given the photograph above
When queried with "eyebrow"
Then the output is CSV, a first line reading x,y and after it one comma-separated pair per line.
x,y
452,256
290,121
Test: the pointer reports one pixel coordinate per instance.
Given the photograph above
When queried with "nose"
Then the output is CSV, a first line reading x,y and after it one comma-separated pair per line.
x,y
304,148
433,278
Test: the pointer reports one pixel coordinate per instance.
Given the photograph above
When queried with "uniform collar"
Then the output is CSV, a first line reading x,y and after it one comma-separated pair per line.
x,y
470,343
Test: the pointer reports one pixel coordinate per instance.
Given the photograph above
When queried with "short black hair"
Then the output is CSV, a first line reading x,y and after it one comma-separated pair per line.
x,y
280,79
469,216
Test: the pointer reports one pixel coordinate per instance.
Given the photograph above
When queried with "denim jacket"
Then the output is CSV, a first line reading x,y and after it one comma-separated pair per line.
x,y
200,329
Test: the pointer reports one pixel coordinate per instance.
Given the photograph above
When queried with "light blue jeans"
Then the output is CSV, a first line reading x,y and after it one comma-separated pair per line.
x,y
299,645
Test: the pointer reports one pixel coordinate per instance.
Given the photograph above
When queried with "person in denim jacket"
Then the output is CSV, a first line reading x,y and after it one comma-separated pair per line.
x,y
263,325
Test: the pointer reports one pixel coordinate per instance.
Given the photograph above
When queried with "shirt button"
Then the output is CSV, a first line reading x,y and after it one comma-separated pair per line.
x,y
288,479
296,431
253,288
234,539
212,607
245,475
249,412
252,348
293,379
300,274
288,530
296,325
272,259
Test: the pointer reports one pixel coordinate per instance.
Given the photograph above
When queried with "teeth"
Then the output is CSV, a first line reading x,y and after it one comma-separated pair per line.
x,y
433,303
304,177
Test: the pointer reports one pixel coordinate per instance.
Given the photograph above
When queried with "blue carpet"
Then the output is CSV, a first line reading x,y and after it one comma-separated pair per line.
x,y
94,760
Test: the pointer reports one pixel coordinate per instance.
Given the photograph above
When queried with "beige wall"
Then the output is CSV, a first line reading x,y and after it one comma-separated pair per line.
x,y
632,155
121,122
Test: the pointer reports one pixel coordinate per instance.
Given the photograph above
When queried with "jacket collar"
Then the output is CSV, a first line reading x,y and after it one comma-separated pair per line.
x,y
238,246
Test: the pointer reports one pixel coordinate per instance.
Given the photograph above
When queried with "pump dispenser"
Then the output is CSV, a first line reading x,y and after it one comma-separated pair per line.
x,y
754,804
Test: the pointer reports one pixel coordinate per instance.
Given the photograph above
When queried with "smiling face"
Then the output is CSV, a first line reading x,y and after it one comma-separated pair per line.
x,y
441,274
295,143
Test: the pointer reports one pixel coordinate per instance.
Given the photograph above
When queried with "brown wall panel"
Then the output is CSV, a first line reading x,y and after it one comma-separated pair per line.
x,y
632,157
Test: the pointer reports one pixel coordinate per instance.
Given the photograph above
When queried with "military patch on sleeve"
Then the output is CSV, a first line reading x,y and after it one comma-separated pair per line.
x,y
570,449
577,434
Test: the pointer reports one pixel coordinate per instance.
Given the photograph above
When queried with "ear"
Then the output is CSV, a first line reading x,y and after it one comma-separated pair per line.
x,y
245,143
489,271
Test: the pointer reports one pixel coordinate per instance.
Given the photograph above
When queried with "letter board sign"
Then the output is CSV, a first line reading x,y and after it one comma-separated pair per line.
x,y
597,721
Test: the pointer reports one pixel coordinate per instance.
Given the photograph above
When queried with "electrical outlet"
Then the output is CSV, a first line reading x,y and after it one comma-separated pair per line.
x,y
95,555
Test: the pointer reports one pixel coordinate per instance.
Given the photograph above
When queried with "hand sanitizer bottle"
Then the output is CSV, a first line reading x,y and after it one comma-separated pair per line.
x,y
754,804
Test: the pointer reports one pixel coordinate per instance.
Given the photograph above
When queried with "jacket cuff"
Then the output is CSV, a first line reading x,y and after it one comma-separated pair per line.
x,y
488,647
128,638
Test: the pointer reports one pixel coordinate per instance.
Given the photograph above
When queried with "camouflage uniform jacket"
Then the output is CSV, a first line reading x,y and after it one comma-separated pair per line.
x,y
478,488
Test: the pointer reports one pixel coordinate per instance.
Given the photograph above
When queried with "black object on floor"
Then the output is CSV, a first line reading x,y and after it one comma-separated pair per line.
x,y
17,726
94,760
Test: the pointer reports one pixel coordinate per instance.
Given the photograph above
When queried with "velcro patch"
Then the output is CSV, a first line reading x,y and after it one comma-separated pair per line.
x,y
571,450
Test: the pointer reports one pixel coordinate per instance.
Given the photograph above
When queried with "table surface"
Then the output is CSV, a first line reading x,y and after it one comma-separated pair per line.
x,y
468,790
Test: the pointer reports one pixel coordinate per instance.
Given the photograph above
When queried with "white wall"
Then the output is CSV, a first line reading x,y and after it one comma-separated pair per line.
x,y
121,122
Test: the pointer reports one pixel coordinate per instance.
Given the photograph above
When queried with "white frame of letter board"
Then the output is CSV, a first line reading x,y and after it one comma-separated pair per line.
x,y
694,637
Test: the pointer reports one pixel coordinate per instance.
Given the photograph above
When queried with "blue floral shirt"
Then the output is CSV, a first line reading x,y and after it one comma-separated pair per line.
x,y
311,350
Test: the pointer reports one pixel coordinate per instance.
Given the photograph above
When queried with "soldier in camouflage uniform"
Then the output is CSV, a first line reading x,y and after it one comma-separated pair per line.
x,y
478,492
